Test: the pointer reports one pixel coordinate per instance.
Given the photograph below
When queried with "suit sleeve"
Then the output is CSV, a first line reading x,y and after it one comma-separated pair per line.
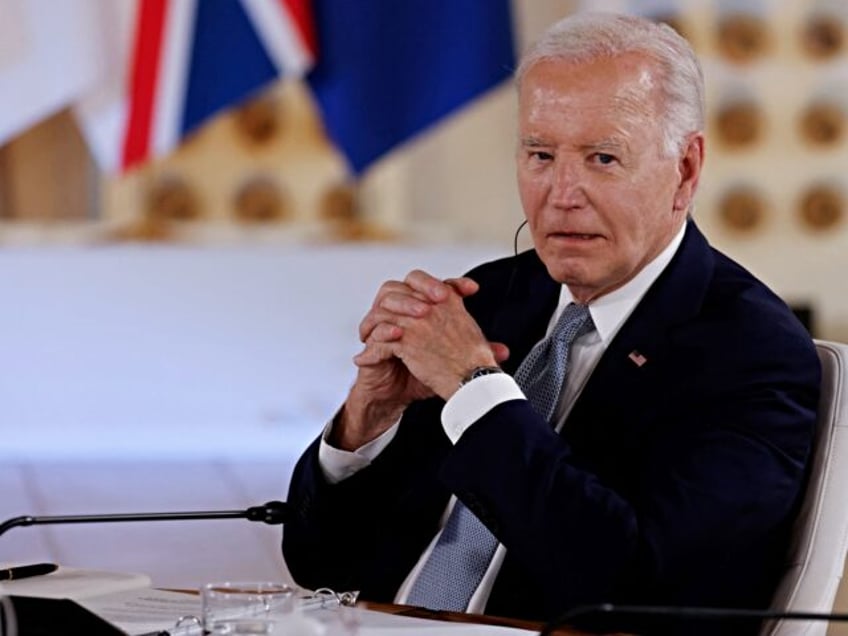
x,y
661,507
367,531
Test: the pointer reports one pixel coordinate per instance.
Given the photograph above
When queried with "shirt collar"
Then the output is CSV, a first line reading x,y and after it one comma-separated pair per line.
x,y
611,310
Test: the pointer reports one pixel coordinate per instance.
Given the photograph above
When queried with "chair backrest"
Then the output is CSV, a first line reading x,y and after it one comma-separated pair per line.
x,y
820,535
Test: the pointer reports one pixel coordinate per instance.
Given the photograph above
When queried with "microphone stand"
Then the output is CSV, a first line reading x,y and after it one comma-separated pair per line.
x,y
38,616
272,512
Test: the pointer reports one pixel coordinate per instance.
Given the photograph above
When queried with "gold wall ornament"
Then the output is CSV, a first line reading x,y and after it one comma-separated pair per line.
x,y
339,203
352,231
144,230
742,37
823,36
258,120
341,210
6,208
822,207
172,199
260,200
739,124
742,208
822,123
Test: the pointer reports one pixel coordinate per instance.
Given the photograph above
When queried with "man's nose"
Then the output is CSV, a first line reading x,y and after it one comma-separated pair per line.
x,y
567,186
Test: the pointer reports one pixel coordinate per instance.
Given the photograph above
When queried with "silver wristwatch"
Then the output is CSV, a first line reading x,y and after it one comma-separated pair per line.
x,y
479,372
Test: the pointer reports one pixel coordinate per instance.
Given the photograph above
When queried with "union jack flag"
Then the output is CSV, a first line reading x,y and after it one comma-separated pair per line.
x,y
142,74
178,62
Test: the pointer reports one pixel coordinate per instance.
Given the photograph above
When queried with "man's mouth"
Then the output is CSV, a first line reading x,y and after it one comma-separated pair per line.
x,y
576,236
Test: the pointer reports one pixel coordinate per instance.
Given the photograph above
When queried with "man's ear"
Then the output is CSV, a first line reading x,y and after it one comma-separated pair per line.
x,y
689,169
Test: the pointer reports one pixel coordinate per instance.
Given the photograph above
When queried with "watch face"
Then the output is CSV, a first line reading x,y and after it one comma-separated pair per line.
x,y
479,372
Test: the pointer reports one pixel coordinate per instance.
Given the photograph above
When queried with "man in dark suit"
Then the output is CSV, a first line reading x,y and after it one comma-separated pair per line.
x,y
664,467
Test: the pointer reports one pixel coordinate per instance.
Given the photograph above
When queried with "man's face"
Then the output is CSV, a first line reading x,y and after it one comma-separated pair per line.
x,y
600,197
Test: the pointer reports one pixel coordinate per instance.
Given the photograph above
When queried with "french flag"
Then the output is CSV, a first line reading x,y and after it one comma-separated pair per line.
x,y
390,69
178,62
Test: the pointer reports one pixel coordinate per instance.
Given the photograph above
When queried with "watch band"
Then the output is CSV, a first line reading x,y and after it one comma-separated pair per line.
x,y
479,372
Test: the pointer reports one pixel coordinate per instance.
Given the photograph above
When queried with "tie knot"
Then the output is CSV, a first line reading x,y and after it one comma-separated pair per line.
x,y
573,323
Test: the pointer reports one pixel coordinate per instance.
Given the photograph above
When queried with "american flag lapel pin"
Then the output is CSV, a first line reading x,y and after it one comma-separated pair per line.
x,y
637,358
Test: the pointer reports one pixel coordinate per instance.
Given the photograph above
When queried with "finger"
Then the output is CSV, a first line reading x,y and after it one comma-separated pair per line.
x,y
463,286
376,315
373,354
385,332
500,351
373,318
434,289
405,304
390,287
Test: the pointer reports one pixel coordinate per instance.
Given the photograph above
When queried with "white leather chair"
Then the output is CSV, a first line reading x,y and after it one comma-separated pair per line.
x,y
820,536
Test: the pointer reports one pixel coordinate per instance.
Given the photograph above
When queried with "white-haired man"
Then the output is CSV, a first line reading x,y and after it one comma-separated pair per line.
x,y
622,414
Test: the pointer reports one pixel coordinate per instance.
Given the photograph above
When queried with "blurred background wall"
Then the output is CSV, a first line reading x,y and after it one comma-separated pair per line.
x,y
773,194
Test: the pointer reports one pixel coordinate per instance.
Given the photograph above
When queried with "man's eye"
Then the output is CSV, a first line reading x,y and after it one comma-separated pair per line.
x,y
604,158
541,155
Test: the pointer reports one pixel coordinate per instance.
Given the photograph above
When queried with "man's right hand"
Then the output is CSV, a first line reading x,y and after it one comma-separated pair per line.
x,y
384,387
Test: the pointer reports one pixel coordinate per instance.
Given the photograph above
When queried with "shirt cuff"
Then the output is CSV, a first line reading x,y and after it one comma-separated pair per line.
x,y
473,400
337,464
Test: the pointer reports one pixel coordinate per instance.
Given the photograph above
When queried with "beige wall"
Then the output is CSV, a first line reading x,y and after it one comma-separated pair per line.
x,y
455,183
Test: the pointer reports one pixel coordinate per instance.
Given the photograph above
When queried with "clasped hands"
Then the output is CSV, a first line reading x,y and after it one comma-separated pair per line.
x,y
419,342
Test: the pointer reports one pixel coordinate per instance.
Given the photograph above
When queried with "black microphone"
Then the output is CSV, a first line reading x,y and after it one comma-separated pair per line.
x,y
273,513
45,616
626,616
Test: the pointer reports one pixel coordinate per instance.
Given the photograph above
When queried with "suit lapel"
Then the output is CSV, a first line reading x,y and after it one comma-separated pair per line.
x,y
630,372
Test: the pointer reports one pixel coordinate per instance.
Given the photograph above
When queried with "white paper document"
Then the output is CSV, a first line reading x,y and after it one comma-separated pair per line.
x,y
144,611
75,583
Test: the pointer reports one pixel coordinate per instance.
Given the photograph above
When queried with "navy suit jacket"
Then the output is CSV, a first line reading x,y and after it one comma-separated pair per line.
x,y
672,482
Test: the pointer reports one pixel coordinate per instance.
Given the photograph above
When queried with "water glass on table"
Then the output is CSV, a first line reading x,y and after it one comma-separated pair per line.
x,y
235,608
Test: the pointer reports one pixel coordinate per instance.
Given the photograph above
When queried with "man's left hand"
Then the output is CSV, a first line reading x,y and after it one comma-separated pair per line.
x,y
439,347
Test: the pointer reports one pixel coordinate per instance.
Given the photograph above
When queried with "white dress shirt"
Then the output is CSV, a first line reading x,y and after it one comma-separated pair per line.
x,y
477,398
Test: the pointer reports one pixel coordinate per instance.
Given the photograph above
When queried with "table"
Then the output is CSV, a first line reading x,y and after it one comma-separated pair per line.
x,y
460,617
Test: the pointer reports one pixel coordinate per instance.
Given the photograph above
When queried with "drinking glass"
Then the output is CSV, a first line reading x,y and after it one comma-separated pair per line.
x,y
235,608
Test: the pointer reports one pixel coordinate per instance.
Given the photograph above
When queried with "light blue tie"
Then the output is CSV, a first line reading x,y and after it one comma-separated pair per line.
x,y
462,554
